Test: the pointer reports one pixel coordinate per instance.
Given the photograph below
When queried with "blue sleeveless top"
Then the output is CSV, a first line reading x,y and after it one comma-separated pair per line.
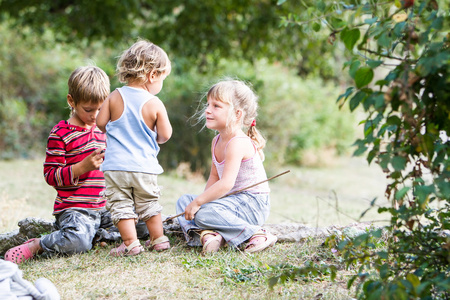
x,y
131,145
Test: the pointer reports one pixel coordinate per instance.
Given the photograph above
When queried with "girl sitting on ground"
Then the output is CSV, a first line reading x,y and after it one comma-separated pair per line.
x,y
237,162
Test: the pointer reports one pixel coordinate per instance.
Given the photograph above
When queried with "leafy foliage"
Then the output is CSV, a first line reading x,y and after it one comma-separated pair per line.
x,y
287,103
309,271
406,133
196,33
226,38
33,89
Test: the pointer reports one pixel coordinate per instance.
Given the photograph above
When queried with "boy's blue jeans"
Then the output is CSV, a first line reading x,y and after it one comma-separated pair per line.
x,y
77,229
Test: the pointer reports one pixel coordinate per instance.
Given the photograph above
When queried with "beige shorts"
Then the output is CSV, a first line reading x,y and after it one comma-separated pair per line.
x,y
132,195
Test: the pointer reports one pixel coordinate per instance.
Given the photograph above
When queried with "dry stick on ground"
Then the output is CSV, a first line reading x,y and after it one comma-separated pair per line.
x,y
238,191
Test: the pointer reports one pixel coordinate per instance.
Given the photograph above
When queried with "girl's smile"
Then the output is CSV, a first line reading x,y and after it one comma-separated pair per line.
x,y
216,114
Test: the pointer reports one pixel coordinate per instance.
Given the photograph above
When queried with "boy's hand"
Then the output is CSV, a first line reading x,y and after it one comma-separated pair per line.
x,y
89,163
99,155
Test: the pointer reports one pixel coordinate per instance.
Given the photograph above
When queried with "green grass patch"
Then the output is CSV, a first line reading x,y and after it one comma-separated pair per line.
x,y
335,195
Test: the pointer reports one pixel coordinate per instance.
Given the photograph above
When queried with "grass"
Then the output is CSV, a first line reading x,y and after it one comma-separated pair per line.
x,y
320,197
316,196
182,273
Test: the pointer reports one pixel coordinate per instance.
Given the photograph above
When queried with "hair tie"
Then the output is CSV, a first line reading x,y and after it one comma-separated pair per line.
x,y
253,123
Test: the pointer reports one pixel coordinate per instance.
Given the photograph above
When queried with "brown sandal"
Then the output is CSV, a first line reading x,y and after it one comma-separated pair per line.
x,y
255,246
212,244
160,244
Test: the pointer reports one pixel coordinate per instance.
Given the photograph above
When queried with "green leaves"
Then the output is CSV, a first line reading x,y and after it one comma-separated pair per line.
x,y
357,99
407,110
398,163
363,76
350,37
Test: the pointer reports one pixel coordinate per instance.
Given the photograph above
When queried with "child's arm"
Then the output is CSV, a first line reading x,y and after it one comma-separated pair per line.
x,y
104,115
56,170
233,157
111,110
213,177
163,127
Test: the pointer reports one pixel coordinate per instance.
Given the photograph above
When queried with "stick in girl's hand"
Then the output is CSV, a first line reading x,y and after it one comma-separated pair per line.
x,y
235,192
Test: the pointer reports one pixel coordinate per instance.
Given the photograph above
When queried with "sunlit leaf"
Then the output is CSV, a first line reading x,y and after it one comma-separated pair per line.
x,y
384,40
383,254
316,27
371,21
398,163
374,63
363,76
350,37
354,66
413,279
401,193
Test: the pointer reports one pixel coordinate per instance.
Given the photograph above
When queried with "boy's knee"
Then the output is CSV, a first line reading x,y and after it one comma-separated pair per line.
x,y
73,244
121,211
82,246
80,243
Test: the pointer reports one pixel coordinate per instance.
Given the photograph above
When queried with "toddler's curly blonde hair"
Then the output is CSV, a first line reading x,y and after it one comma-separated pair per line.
x,y
139,60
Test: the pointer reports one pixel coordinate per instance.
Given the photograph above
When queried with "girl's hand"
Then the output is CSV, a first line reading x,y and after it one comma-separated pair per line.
x,y
191,210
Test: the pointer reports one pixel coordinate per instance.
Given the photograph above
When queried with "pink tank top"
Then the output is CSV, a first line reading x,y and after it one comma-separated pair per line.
x,y
250,172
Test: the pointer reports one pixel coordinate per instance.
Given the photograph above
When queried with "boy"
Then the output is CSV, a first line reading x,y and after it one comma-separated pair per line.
x,y
73,157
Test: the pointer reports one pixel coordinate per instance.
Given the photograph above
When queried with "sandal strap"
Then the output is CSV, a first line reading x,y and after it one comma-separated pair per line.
x,y
160,240
259,233
205,232
134,244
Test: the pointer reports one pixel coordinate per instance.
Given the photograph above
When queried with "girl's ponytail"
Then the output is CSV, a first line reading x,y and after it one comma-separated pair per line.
x,y
257,138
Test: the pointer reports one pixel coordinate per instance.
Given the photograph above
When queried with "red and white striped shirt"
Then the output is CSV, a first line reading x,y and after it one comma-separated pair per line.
x,y
67,145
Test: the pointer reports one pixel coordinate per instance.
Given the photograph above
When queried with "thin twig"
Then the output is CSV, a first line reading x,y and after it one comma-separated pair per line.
x,y
235,192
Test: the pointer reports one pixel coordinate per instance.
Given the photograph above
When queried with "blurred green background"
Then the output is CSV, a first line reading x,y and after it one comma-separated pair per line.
x,y
295,78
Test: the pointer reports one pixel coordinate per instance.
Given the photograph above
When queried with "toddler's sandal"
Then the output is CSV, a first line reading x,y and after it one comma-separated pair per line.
x,y
134,248
213,243
19,254
255,245
160,244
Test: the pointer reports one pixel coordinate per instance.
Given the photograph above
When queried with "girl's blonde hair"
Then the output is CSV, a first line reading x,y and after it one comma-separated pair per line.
x,y
140,59
240,97
88,84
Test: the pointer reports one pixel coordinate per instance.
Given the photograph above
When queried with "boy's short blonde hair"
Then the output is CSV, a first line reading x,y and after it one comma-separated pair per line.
x,y
88,84
139,60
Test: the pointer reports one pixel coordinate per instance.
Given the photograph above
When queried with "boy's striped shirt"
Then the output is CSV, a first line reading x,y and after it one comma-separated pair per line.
x,y
67,145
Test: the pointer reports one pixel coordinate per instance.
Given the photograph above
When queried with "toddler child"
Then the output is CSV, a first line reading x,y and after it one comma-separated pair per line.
x,y
135,122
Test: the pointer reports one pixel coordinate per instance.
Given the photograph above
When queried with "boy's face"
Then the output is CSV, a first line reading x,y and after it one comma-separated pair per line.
x,y
84,113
